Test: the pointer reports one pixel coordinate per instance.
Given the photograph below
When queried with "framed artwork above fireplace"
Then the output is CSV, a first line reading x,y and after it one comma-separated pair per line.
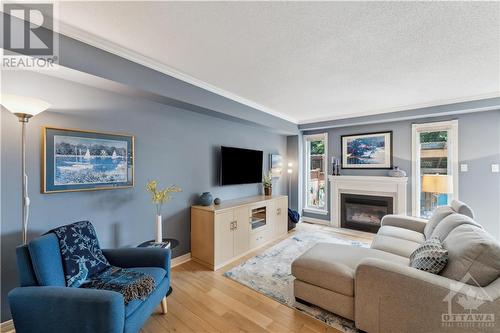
x,y
367,151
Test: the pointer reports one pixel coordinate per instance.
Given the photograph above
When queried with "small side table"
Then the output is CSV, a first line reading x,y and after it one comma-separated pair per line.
x,y
173,244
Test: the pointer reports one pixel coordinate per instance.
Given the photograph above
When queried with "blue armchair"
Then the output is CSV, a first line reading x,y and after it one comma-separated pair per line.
x,y
43,303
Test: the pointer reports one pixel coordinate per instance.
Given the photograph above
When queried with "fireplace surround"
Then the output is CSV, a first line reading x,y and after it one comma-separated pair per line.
x,y
375,187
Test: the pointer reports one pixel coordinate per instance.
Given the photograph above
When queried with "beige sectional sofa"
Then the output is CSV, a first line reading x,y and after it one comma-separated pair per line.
x,y
377,289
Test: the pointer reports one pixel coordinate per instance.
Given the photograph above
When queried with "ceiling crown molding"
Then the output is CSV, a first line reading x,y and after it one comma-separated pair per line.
x,y
108,46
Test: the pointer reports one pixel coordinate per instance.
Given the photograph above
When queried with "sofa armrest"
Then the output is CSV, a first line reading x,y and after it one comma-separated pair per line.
x,y
139,257
392,297
406,222
63,309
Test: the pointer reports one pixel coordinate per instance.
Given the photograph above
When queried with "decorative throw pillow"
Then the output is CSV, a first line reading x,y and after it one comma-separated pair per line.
x,y
430,256
80,251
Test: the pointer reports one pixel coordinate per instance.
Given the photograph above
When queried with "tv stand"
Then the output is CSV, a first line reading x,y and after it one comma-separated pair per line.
x,y
223,233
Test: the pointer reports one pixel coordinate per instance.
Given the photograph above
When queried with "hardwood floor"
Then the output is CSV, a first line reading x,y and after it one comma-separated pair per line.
x,y
206,301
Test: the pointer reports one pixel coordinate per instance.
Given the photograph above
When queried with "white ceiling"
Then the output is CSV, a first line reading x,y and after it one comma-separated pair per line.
x,y
308,61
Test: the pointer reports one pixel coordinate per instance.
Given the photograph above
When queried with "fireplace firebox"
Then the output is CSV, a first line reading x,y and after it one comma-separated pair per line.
x,y
364,212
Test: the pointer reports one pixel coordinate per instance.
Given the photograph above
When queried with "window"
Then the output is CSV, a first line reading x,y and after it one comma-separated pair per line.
x,y
315,148
435,166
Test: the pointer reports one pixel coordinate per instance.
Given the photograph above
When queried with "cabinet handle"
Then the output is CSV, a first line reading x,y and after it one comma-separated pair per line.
x,y
233,225
278,211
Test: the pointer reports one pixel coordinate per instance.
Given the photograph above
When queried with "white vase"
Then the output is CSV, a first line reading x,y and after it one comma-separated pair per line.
x,y
159,233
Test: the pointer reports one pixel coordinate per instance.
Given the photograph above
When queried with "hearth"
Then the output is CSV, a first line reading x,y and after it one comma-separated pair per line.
x,y
364,212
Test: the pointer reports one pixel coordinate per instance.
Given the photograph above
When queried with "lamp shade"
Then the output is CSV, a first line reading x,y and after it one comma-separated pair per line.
x,y
23,105
437,184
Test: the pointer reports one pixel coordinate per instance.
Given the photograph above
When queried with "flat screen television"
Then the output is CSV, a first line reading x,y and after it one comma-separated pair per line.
x,y
240,166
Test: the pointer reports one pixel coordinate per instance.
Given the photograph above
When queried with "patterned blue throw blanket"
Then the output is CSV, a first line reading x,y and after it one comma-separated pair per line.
x,y
85,265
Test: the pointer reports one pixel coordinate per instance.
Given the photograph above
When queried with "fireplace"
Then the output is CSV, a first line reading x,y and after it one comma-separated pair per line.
x,y
364,212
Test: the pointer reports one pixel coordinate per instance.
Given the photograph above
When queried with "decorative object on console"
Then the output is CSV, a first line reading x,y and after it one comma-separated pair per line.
x,y
159,197
396,172
367,151
335,167
267,182
217,201
276,162
206,199
24,108
78,160
435,185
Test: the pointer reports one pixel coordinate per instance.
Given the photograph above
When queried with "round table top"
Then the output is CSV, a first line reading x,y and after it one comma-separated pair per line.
x,y
173,242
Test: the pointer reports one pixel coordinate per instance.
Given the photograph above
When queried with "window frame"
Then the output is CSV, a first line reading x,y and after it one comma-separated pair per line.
x,y
306,172
452,127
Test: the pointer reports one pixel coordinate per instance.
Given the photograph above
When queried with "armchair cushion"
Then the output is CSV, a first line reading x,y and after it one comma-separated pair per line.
x,y
158,274
46,260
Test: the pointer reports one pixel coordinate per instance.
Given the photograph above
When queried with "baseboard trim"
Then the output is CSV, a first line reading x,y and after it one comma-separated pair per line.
x,y
180,259
7,327
314,220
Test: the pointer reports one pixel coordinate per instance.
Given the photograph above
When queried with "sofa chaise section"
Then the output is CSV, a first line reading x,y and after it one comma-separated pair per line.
x,y
325,275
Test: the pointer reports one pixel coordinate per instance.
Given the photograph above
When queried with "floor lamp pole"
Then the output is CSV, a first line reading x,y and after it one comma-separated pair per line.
x,y
23,119
289,171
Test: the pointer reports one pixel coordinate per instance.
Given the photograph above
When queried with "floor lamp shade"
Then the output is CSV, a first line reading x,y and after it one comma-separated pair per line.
x,y
437,184
23,105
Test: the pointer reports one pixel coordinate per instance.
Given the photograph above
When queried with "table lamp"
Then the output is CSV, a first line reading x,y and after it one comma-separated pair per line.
x,y
436,184
24,108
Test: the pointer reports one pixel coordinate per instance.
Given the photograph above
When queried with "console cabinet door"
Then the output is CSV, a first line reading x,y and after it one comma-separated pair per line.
x,y
281,216
224,241
242,230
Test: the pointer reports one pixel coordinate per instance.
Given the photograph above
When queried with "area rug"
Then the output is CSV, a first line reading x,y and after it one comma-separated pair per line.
x,y
269,273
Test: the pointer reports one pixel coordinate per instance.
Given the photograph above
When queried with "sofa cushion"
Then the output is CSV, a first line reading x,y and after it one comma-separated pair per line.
x,y
333,266
157,274
472,252
430,256
402,233
397,246
449,223
47,262
439,214
462,208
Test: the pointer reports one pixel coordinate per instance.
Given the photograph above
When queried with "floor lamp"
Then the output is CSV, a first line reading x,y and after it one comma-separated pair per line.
x,y
24,108
289,171
436,185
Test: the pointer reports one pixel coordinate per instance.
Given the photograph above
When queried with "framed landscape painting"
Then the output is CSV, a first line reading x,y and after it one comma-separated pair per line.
x,y
78,160
367,151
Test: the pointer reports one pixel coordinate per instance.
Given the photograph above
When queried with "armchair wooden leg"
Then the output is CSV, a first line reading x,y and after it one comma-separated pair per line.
x,y
164,305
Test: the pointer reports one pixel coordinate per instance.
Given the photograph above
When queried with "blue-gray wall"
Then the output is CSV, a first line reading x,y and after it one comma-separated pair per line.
x,y
173,145
479,147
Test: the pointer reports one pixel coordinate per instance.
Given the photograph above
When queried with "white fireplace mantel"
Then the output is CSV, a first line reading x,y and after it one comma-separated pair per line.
x,y
394,187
